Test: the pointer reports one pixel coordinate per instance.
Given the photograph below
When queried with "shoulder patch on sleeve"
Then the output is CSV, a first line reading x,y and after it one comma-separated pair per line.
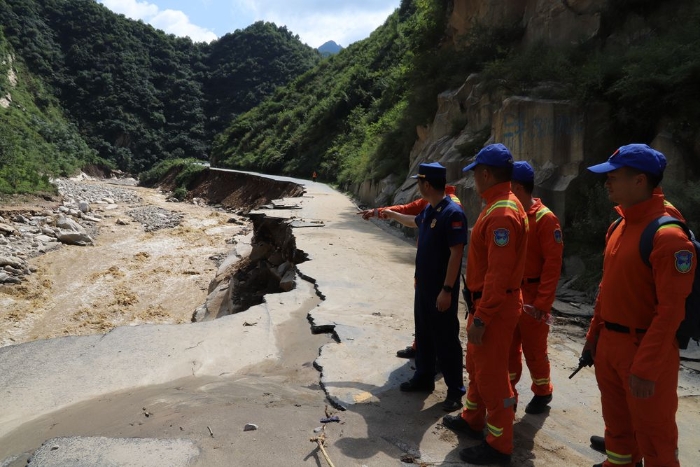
x,y
684,261
501,237
557,235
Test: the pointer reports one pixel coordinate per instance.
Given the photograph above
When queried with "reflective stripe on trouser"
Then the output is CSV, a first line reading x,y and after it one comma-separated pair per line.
x,y
530,338
634,427
489,395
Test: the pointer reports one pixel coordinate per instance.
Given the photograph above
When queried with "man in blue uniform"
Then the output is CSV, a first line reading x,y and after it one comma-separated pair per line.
x,y
442,234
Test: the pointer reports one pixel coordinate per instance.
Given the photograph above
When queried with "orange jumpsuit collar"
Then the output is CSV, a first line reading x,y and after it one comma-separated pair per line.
x,y
640,212
496,192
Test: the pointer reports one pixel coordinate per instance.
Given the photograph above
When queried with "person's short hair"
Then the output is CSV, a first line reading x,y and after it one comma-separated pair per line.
x,y
501,174
437,183
653,180
529,187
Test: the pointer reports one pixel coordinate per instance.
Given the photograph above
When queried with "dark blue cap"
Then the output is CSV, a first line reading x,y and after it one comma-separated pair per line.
x,y
637,156
523,172
432,171
495,155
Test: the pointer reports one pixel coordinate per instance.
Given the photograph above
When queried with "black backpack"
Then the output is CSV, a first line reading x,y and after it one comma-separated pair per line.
x,y
690,327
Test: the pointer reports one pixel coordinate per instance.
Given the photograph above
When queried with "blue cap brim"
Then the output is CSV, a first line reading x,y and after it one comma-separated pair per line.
x,y
605,167
470,166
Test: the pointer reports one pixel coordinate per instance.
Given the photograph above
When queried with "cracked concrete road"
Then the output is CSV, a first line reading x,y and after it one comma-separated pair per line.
x,y
197,385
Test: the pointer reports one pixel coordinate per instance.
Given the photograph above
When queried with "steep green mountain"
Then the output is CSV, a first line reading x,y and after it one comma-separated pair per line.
x,y
36,140
248,65
354,116
136,94
329,48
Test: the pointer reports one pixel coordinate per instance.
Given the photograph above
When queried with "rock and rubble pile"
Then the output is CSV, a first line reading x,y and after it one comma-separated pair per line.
x,y
155,218
26,234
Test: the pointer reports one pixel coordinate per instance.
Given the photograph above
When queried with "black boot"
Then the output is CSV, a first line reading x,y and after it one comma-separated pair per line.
x,y
408,352
413,385
459,425
484,454
538,404
598,443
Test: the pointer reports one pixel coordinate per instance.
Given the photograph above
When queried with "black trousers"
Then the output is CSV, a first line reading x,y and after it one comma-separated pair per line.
x,y
437,338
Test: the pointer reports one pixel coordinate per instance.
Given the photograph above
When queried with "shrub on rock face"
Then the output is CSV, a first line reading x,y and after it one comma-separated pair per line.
x,y
180,193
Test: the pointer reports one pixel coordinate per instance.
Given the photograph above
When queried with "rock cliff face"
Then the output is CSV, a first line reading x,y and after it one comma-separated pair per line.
x,y
558,138
554,21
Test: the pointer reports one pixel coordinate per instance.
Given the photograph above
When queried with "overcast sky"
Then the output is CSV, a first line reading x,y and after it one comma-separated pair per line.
x,y
315,21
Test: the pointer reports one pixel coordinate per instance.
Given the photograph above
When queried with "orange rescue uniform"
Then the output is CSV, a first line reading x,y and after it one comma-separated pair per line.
x,y
495,265
545,249
650,304
670,208
415,207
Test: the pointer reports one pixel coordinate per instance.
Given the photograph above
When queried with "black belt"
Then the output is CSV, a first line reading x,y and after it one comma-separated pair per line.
x,y
623,329
471,297
531,280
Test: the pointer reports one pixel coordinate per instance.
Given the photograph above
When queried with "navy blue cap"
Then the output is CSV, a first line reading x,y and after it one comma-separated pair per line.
x,y
495,155
523,172
637,156
432,171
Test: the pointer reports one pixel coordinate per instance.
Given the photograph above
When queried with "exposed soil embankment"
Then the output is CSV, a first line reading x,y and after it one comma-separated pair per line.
x,y
259,264
241,191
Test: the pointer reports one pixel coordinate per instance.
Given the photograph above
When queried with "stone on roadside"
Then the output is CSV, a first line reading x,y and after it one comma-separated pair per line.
x,y
12,262
6,229
66,223
121,221
250,427
287,283
74,238
8,279
84,206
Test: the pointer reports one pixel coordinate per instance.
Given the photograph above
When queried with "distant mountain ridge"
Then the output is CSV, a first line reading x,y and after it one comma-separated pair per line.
x,y
329,48
129,94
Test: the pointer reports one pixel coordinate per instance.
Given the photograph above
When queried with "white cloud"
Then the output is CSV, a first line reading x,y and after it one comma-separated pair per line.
x,y
132,8
319,21
176,22
315,21
171,21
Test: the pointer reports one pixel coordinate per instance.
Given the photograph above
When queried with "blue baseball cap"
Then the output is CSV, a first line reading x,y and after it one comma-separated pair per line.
x,y
495,155
432,171
637,156
523,172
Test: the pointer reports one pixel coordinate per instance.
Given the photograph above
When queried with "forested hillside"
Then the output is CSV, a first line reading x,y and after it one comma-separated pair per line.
x,y
354,117
137,95
35,139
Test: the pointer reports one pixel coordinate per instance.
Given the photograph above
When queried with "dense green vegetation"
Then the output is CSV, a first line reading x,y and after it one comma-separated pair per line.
x,y
354,116
178,173
136,94
36,141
